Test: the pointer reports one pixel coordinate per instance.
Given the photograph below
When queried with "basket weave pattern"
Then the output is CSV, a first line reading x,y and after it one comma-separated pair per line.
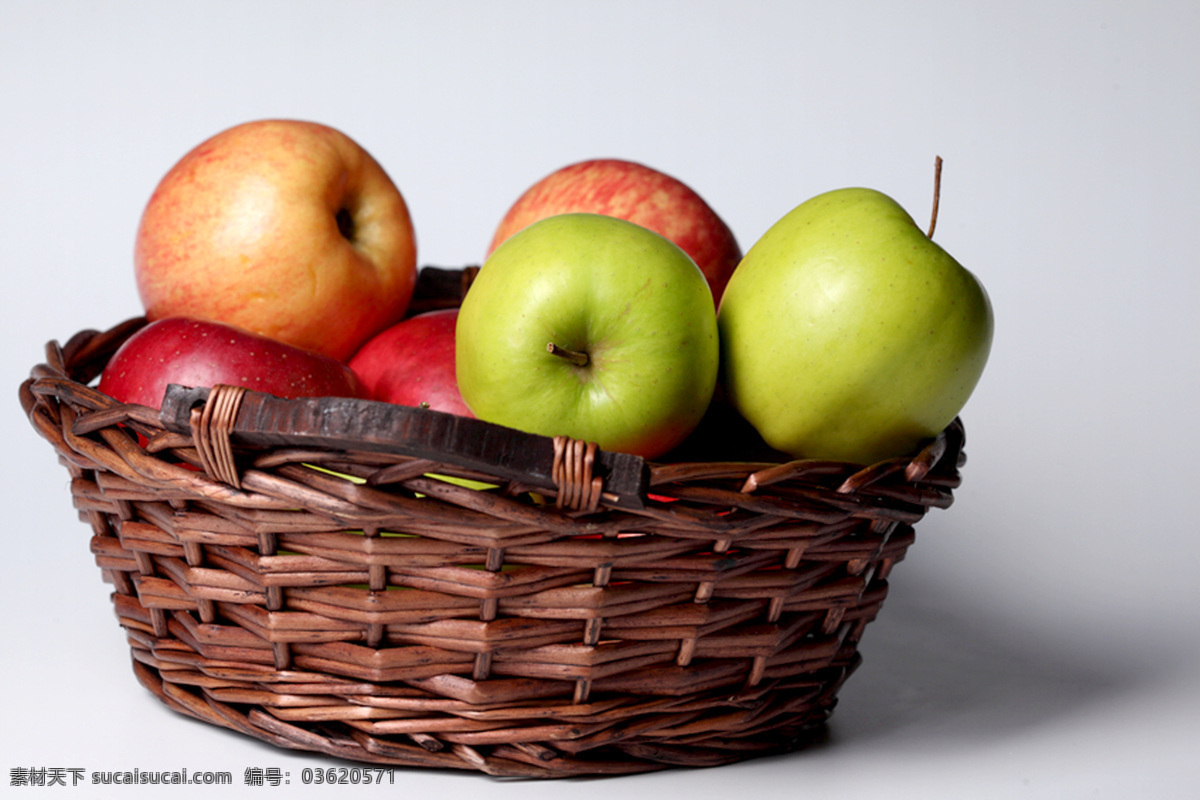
x,y
372,607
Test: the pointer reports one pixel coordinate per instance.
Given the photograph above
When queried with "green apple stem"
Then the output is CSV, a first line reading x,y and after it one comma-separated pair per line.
x,y
937,191
574,356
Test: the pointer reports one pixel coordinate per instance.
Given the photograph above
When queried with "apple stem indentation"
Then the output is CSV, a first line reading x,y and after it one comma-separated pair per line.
x,y
345,223
937,192
574,356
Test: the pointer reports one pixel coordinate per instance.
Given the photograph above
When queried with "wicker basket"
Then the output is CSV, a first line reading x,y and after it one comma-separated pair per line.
x,y
471,597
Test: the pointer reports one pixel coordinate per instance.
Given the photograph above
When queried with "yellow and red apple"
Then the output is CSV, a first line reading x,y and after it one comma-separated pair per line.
x,y
285,228
638,194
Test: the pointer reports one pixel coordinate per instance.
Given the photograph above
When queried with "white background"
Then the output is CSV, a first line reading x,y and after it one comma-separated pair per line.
x,y
1041,638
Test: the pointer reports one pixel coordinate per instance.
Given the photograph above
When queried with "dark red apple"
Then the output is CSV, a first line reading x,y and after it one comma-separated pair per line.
x,y
194,352
412,364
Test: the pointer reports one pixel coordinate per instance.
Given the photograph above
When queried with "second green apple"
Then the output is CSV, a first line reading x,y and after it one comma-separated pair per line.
x,y
848,334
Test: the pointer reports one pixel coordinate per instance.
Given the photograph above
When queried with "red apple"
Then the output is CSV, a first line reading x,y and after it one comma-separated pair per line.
x,y
638,194
285,228
412,364
194,352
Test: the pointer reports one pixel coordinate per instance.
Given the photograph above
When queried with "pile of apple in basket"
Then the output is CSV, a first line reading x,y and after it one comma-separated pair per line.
x,y
614,305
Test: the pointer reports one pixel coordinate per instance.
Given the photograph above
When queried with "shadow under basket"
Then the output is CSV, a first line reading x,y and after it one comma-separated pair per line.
x,y
401,587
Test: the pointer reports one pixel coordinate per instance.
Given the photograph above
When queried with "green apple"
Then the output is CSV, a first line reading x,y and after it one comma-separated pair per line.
x,y
591,327
848,334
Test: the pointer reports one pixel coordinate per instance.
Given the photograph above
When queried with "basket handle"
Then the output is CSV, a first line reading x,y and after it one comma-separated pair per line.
x,y
582,475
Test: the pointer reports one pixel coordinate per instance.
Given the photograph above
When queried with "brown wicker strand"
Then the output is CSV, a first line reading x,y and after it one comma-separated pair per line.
x,y
578,488
211,425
